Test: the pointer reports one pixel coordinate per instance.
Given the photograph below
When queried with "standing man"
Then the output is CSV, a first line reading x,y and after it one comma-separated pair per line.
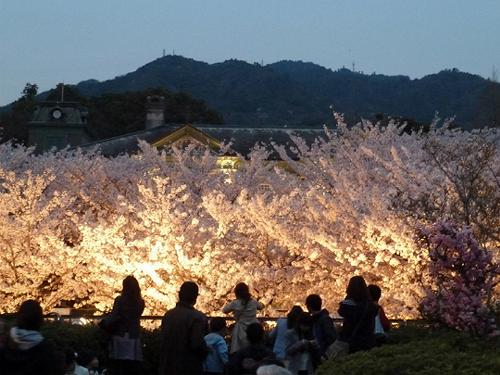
x,y
323,328
183,328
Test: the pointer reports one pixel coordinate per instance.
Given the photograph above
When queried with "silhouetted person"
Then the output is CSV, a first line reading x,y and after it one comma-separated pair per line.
x,y
359,313
125,349
183,328
71,367
323,328
3,334
249,359
244,309
218,354
278,334
302,349
89,360
26,351
382,324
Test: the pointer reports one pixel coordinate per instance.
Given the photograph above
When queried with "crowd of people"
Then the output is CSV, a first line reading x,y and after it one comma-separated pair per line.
x,y
193,344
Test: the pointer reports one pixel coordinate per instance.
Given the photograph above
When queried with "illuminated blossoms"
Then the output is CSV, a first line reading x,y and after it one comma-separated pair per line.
x,y
72,225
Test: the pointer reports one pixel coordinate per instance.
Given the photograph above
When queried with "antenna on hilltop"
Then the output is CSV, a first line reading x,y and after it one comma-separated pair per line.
x,y
353,66
163,52
494,74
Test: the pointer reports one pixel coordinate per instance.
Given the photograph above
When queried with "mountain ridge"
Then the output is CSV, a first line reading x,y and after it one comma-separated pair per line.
x,y
298,92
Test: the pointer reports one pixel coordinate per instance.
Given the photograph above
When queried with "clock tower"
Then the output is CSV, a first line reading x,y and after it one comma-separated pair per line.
x,y
57,125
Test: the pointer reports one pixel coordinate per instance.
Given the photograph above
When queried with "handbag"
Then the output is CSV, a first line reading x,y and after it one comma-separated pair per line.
x,y
125,347
341,348
337,349
109,323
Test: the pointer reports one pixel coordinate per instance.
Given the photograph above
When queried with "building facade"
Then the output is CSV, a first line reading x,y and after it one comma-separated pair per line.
x,y
58,125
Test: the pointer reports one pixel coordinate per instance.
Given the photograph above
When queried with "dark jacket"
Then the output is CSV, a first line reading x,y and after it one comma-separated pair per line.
x,y
296,345
323,330
40,359
127,314
361,315
183,347
247,360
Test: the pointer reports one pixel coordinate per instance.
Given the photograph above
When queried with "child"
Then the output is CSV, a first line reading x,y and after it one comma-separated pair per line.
x,y
244,309
382,324
89,360
71,367
256,354
218,356
278,334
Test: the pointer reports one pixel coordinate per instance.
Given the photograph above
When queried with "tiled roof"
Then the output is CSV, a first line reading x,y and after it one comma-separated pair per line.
x,y
242,138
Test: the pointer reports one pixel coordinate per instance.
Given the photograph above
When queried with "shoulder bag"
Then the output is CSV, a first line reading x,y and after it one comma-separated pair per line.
x,y
340,348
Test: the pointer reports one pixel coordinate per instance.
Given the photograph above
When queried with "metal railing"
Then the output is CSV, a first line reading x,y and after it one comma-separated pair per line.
x,y
84,319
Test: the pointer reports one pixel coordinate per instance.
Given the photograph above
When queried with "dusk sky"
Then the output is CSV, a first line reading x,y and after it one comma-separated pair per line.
x,y
51,41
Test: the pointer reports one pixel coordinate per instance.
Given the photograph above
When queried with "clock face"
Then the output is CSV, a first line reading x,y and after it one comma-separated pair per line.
x,y
57,114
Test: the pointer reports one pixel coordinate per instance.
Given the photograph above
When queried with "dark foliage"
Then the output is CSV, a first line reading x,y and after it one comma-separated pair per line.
x,y
414,350
114,114
110,114
92,338
489,105
15,119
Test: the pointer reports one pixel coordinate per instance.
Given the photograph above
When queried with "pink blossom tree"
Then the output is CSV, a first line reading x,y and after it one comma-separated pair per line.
x,y
462,276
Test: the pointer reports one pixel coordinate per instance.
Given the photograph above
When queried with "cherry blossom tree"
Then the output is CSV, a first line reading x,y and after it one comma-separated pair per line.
x,y
73,224
462,278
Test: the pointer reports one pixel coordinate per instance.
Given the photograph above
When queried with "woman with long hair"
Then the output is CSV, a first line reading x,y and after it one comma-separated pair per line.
x,y
125,349
278,333
244,309
302,350
358,311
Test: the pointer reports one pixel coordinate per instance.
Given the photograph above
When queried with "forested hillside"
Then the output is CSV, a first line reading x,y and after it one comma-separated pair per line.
x,y
295,92
283,93
110,114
